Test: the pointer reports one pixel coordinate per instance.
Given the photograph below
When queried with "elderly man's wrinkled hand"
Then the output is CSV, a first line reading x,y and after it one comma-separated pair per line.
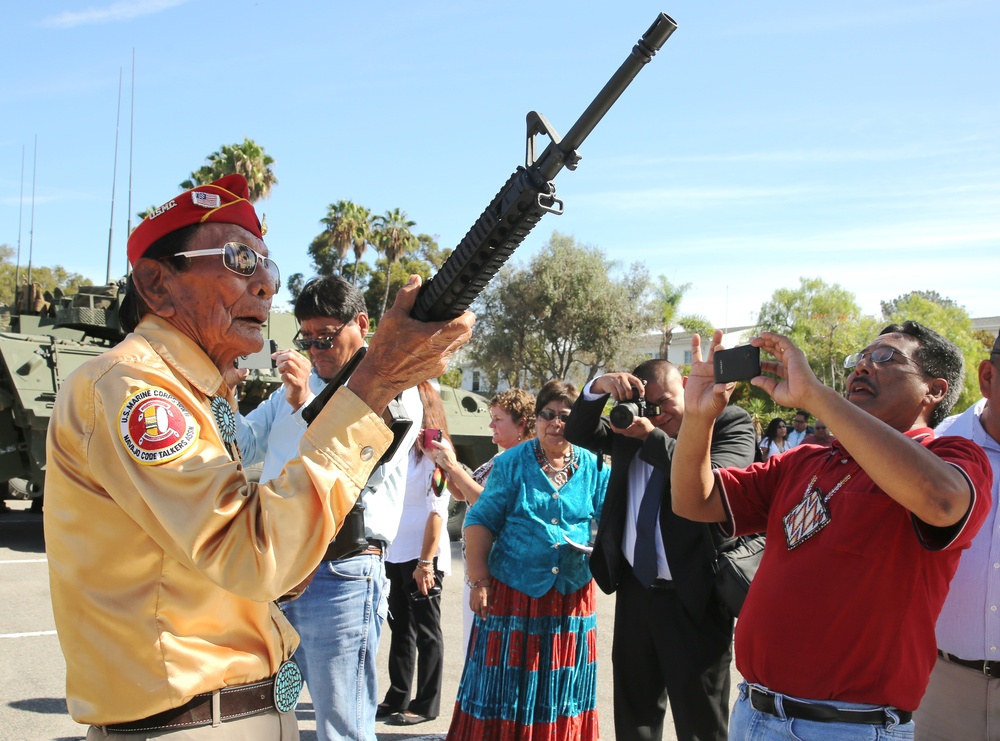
x,y
404,351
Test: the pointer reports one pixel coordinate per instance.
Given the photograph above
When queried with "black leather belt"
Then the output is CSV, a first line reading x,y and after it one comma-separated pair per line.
x,y
990,668
664,584
763,701
234,702
337,553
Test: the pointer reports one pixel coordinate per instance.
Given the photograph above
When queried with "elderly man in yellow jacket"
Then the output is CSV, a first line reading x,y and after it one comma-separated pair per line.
x,y
165,561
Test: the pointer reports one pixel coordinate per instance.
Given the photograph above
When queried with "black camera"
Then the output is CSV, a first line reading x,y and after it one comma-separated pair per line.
x,y
624,413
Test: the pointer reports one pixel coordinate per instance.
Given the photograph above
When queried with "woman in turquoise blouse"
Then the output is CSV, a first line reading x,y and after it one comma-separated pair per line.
x,y
531,670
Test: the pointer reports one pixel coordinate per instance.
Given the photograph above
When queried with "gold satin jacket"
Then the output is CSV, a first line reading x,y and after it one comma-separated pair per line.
x,y
163,560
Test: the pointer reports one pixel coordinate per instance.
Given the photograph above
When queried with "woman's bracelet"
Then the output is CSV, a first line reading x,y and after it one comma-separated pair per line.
x,y
422,562
478,582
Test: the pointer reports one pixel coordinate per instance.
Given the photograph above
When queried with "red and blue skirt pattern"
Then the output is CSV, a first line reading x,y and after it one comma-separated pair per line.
x,y
531,669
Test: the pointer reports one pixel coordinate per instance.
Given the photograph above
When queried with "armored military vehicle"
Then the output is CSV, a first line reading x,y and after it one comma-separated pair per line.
x,y
468,417
46,337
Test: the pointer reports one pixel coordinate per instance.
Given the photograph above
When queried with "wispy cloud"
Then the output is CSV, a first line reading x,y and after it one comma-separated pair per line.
x,y
120,11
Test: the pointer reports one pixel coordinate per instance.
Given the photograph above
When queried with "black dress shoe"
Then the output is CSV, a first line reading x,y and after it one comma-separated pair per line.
x,y
406,718
383,711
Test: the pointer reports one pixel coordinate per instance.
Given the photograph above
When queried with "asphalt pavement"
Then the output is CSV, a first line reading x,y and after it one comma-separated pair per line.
x,y
32,691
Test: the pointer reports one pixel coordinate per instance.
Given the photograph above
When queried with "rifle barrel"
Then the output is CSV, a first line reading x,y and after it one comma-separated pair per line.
x,y
644,50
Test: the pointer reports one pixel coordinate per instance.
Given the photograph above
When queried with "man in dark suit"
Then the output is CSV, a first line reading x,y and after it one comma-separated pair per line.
x,y
672,636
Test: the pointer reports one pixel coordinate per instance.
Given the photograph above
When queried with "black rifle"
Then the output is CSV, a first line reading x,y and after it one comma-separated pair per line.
x,y
528,195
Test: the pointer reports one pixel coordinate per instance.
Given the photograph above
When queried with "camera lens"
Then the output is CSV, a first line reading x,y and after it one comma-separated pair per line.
x,y
622,415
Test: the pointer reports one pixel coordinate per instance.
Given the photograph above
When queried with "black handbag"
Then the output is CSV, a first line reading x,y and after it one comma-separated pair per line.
x,y
735,568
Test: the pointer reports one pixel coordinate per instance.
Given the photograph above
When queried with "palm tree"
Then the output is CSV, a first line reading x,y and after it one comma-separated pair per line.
x,y
247,159
339,222
392,237
345,225
362,236
666,305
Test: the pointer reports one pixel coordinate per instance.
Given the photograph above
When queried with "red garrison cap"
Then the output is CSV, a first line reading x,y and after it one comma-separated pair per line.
x,y
223,201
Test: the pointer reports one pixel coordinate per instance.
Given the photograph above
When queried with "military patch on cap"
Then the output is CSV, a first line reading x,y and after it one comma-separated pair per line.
x,y
155,427
206,200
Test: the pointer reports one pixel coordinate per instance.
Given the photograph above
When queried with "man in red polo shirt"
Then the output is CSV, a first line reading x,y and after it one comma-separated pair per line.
x,y
836,639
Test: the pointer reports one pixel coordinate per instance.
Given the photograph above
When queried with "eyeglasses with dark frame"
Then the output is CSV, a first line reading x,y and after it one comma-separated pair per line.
x,y
240,259
320,343
548,415
881,354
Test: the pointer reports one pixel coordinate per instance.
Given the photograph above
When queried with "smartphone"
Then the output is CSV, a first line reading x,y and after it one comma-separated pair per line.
x,y
738,364
430,434
261,358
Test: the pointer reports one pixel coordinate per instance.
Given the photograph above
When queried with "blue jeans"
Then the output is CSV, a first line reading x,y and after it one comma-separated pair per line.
x,y
339,618
749,724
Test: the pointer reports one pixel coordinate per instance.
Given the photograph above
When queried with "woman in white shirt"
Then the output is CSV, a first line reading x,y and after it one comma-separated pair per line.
x,y
775,438
416,564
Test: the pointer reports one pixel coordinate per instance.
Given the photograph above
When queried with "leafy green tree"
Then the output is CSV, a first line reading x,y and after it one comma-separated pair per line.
x,y
564,315
984,338
451,377
392,237
825,321
697,324
247,159
400,272
295,283
950,320
891,308
429,250
360,274
48,278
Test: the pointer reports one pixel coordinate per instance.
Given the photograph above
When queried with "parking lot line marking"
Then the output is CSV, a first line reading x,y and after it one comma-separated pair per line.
x,y
26,560
28,635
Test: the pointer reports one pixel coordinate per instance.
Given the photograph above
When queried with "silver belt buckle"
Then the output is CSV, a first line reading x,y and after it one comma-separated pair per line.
x,y
287,686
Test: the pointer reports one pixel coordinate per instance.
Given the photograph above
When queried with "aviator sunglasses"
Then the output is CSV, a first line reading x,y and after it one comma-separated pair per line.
x,y
548,415
322,343
878,355
240,259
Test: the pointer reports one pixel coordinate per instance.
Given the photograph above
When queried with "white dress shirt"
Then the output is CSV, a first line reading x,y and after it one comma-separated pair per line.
x,y
969,624
271,433
638,476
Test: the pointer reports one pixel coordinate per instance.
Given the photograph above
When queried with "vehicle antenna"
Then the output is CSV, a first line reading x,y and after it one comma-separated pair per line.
x,y
31,231
114,176
20,215
131,139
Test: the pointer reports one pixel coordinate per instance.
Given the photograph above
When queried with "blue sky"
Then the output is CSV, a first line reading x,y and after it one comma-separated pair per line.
x,y
856,142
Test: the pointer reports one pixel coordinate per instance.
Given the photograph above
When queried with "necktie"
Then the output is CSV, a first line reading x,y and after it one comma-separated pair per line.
x,y
644,555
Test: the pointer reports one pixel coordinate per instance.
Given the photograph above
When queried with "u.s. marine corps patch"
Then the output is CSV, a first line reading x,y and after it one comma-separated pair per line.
x,y
155,427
